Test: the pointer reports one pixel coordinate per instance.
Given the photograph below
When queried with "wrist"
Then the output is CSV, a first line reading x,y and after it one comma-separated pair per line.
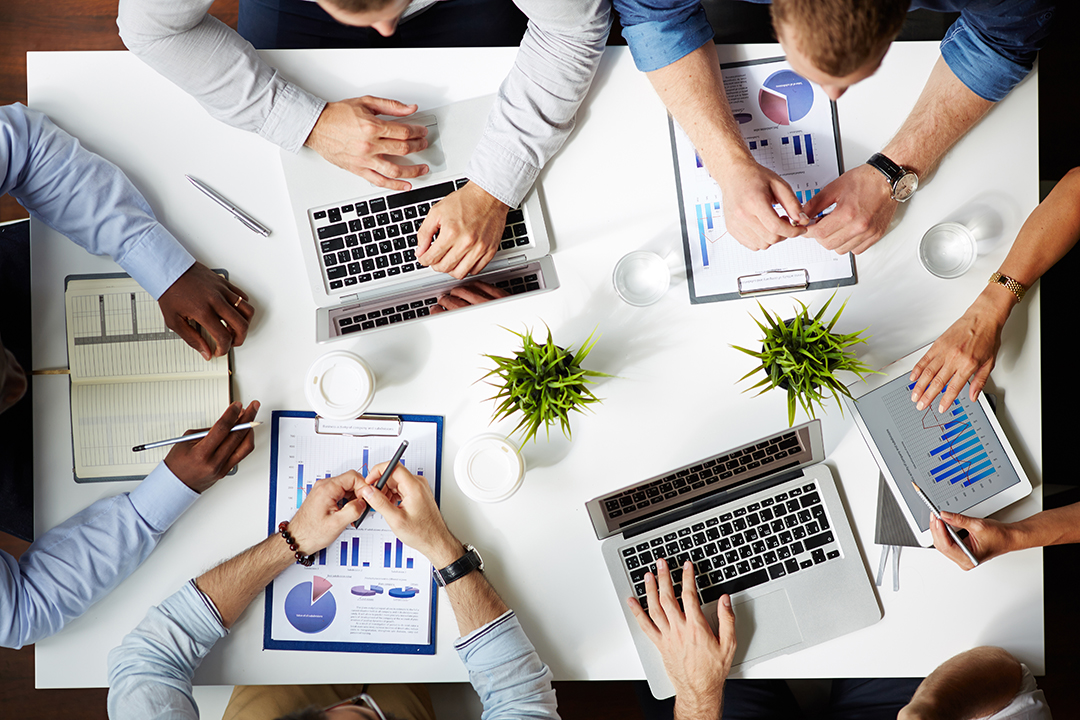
x,y
698,705
445,551
998,301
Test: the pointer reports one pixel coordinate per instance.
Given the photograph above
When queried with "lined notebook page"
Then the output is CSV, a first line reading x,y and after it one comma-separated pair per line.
x,y
133,380
107,420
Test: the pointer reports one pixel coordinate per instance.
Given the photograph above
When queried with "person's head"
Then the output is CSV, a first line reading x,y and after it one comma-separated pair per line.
x,y
837,43
12,379
380,15
360,707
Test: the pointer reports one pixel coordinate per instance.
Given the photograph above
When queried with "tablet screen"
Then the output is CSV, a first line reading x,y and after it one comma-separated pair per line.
x,y
955,456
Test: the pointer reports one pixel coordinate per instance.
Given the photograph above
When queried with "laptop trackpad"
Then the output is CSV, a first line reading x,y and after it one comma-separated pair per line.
x,y
764,625
433,155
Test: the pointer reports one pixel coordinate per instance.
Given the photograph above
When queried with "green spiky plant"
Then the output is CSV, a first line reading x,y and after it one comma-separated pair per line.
x,y
543,382
802,354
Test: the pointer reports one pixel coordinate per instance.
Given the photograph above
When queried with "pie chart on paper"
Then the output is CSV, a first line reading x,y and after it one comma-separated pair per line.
x,y
786,97
310,607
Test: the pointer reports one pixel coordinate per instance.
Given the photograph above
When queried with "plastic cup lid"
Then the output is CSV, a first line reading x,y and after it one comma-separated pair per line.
x,y
339,386
488,468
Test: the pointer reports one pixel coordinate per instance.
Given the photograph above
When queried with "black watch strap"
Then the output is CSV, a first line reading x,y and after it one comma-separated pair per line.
x,y
461,567
887,167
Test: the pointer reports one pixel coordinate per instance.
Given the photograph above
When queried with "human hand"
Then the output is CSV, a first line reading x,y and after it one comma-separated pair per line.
x,y
986,538
864,209
966,351
696,661
350,135
469,223
201,295
750,191
12,379
202,463
407,504
473,293
330,507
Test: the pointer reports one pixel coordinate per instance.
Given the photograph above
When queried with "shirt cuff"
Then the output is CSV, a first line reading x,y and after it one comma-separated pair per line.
x,y
162,498
481,636
156,261
503,175
659,43
292,117
195,613
978,65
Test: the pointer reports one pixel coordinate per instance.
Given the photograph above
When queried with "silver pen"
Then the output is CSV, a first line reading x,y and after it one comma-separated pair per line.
x,y
248,221
948,528
192,436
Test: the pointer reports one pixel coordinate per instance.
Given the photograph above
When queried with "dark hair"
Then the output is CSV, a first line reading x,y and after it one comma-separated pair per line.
x,y
840,36
357,6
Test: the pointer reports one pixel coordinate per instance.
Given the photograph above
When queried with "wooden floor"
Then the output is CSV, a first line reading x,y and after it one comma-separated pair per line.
x,y
29,25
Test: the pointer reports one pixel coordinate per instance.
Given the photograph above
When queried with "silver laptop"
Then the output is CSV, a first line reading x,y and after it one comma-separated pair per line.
x,y
359,241
763,523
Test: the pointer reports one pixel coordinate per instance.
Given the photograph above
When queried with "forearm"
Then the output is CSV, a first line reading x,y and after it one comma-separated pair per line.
x,y
692,89
1048,234
222,71
535,108
75,564
700,708
944,112
974,684
1060,526
233,584
472,597
86,198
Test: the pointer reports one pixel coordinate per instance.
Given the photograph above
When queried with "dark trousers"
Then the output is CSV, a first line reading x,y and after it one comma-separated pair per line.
x,y
850,699
279,24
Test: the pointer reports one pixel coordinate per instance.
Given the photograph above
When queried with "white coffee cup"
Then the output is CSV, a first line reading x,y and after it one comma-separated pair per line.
x,y
339,386
489,468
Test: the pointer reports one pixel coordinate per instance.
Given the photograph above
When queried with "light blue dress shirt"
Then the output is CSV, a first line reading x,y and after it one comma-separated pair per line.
x,y
150,674
78,562
86,198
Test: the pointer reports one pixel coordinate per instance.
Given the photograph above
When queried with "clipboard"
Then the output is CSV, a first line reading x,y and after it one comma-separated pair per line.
x,y
321,608
789,126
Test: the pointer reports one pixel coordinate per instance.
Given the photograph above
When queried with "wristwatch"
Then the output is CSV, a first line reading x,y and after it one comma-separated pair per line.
x,y
461,567
903,182
1010,284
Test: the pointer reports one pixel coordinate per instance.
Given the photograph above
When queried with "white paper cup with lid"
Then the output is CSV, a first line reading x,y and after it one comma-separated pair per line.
x,y
489,468
339,385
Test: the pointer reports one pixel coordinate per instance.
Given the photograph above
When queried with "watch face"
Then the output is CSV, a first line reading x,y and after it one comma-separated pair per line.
x,y
905,187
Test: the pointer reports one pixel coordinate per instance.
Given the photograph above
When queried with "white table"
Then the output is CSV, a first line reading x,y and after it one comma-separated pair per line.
x,y
610,191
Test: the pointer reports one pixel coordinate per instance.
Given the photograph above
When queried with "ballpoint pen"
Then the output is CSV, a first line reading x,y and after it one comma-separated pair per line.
x,y
948,527
192,436
385,476
249,222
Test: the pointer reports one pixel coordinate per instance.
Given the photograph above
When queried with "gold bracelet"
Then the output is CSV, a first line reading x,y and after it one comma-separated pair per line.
x,y
1017,289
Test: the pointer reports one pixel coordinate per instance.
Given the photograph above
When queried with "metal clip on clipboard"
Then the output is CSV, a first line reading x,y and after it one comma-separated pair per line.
x,y
773,281
363,426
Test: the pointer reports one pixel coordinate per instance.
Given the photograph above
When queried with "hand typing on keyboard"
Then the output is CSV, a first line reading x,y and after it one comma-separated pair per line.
x,y
469,224
697,662
350,134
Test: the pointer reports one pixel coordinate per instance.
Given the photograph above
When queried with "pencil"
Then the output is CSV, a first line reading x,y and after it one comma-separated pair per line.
x,y
192,436
948,527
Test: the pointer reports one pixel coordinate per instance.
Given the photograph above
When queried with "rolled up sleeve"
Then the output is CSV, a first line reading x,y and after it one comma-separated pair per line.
x,y
660,32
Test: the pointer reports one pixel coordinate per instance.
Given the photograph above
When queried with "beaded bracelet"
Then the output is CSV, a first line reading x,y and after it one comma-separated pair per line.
x,y
301,558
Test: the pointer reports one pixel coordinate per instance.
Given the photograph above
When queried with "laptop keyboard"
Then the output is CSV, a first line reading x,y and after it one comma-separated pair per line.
x,y
739,548
640,498
418,304
368,239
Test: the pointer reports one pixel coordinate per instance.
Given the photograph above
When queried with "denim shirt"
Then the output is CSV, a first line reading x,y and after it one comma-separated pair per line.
x,y
78,562
151,673
990,48
86,198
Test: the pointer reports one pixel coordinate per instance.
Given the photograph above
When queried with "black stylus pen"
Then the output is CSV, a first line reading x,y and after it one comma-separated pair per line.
x,y
385,476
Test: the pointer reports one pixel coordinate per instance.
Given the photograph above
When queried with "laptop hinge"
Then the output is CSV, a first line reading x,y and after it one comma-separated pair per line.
x,y
710,501
348,298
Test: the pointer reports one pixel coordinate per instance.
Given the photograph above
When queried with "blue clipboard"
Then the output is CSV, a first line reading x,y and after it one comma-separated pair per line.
x,y
329,646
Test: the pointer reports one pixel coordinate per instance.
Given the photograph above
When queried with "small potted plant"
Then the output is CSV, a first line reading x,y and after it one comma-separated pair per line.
x,y
543,382
802,354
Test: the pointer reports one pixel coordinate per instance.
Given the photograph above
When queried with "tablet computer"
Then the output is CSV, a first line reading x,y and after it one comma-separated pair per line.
x,y
960,458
